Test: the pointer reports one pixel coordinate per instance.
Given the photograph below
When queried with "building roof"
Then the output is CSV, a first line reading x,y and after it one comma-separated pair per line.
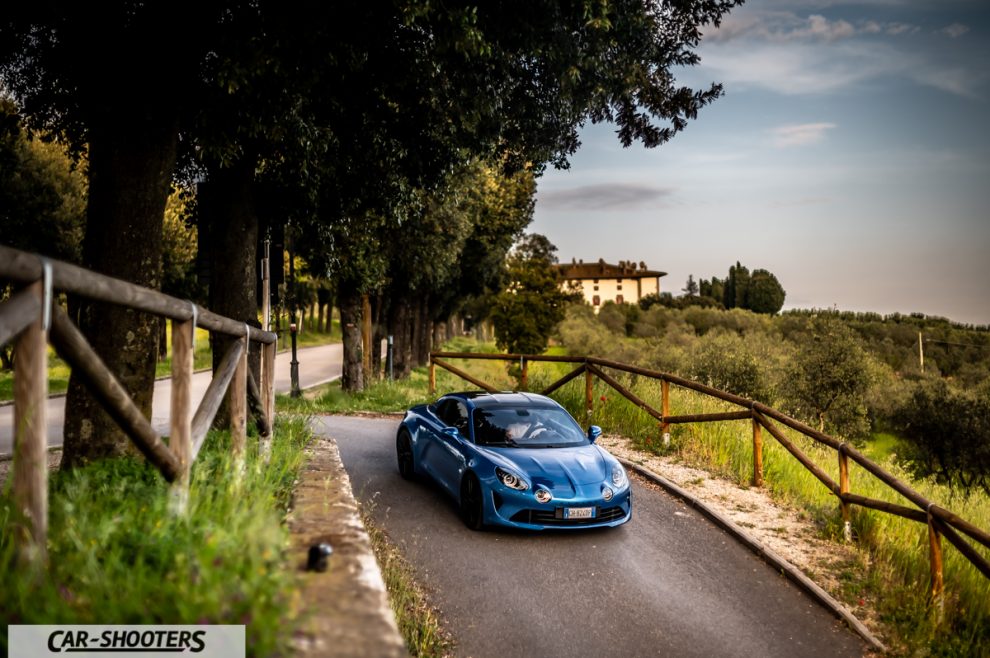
x,y
602,270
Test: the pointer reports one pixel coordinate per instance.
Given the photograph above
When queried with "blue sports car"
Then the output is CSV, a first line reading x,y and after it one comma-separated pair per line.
x,y
514,459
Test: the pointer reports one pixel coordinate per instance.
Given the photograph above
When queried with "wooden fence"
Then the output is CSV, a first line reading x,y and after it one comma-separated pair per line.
x,y
940,521
32,319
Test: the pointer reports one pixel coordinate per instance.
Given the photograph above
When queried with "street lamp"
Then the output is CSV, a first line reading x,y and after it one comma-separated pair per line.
x,y
294,364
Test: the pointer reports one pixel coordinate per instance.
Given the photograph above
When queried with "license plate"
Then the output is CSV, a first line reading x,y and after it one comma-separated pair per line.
x,y
579,512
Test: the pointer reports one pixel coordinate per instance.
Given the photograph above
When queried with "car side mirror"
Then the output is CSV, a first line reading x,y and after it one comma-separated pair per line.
x,y
452,432
594,432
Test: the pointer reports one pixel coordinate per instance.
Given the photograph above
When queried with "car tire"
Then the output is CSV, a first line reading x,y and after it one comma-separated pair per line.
x,y
472,504
404,455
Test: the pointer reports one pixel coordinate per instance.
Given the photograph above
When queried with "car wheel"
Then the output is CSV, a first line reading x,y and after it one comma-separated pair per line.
x,y
472,505
404,455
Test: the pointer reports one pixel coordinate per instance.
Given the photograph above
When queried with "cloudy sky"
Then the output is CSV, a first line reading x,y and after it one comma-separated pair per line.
x,y
850,156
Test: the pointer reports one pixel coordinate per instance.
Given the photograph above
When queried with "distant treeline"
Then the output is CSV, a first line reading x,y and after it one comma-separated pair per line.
x,y
850,374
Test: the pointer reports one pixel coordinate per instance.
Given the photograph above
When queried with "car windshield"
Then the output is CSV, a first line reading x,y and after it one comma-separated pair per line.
x,y
527,427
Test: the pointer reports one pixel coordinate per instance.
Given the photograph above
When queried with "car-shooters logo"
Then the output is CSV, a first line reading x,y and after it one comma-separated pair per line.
x,y
117,641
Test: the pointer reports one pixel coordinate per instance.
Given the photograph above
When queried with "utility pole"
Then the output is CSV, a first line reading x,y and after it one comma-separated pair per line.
x,y
921,353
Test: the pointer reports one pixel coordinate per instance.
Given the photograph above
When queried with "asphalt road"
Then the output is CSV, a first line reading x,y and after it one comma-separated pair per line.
x,y
317,365
667,583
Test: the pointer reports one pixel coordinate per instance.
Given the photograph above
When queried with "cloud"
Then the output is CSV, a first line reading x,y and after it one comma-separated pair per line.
x,y
800,134
782,26
804,68
797,68
602,196
822,28
955,30
890,29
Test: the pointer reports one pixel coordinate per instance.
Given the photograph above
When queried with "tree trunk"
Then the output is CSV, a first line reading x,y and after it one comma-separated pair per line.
x,y
416,332
377,336
439,334
227,204
162,338
131,160
352,378
401,330
424,331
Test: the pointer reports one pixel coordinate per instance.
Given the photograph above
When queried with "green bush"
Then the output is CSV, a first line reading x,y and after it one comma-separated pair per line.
x,y
948,435
725,361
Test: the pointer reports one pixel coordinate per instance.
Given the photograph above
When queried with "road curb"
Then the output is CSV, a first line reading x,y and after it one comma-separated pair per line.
x,y
349,613
787,569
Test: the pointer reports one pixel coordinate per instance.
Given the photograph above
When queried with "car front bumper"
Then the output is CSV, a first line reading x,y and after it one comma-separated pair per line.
x,y
520,509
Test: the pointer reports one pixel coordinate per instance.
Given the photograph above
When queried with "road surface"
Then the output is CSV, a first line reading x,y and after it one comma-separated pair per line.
x,y
667,583
317,365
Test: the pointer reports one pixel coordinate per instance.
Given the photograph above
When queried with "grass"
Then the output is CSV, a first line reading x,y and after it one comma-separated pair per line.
x,y
894,571
118,556
418,621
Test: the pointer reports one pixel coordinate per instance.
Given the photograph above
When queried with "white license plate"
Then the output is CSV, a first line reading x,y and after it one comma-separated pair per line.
x,y
579,512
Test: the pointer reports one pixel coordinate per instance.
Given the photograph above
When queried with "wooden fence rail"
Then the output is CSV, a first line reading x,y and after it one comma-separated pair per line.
x,y
32,319
939,521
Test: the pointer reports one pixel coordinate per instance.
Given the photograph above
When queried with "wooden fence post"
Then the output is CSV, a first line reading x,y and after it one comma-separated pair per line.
x,y
30,438
433,376
238,406
523,373
665,411
757,454
935,557
268,397
589,393
180,432
844,489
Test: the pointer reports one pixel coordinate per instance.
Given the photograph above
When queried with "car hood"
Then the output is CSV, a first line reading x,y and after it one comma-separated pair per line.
x,y
576,466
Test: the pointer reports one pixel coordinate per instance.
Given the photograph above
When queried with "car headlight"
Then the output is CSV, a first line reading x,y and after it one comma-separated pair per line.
x,y
607,494
543,496
619,476
510,479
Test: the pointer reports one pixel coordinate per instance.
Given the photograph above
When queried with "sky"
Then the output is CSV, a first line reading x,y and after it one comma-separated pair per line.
x,y
849,155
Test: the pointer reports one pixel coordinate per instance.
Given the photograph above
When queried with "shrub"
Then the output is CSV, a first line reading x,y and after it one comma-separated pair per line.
x,y
828,379
724,360
948,435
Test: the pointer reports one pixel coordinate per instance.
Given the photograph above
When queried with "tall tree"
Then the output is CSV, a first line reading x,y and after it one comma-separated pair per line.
x,y
532,303
736,287
56,57
765,294
691,287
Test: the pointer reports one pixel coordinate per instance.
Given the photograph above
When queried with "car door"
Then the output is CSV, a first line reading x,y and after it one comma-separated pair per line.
x,y
445,453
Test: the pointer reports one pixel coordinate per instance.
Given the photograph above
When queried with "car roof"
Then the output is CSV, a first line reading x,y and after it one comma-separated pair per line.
x,y
509,398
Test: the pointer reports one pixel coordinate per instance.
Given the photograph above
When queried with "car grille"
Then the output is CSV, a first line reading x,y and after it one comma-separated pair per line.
x,y
556,517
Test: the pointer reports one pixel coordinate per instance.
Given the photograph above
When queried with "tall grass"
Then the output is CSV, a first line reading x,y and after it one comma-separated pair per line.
x,y
118,556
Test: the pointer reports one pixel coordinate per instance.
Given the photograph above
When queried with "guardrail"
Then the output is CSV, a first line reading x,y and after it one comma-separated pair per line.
x,y
32,319
940,521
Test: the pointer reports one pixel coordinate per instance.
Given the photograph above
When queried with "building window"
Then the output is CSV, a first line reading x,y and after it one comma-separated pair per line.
x,y
596,300
618,299
596,288
595,281
619,281
618,286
